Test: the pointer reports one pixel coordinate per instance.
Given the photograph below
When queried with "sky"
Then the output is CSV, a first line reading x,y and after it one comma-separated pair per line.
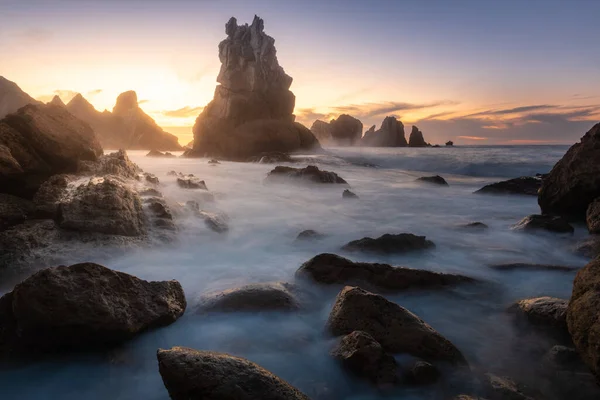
x,y
471,71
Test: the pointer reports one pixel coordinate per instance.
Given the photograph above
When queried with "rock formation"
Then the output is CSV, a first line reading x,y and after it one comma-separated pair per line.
x,y
593,217
548,223
252,297
574,182
525,185
56,100
416,138
390,244
12,97
449,143
322,131
251,112
310,174
391,134
346,130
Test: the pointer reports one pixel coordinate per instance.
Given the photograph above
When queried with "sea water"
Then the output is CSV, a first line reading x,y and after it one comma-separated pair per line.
x,y
264,220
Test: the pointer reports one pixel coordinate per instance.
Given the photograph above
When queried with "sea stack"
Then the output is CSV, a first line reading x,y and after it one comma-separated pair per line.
x,y
416,138
252,109
391,134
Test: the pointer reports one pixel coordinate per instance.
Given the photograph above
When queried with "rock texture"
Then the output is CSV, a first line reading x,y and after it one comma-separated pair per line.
x,y
322,131
391,134
566,376
390,244
39,141
422,373
84,306
310,174
394,327
345,130
14,210
251,112
593,216
436,180
252,297
204,375
56,100
547,313
331,269
502,388
347,194
524,185
548,223
416,138
12,97
574,182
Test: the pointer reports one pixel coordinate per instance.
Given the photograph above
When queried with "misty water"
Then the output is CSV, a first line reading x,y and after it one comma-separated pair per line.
x,y
259,247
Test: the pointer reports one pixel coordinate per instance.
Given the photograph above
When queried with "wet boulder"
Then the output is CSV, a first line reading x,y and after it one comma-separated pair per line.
x,y
150,192
213,161
85,306
364,357
435,180
390,244
333,269
422,373
272,296
347,194
397,329
14,210
191,374
272,158
524,185
593,216
310,174
590,247
502,388
191,182
546,313
548,223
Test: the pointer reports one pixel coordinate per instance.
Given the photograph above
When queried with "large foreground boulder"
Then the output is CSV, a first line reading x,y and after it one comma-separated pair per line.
x,y
204,375
84,306
524,185
574,182
252,109
269,296
390,244
309,174
583,315
394,327
330,269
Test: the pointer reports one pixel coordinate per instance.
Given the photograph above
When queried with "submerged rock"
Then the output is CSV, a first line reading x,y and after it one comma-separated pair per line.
x,y
191,374
394,327
544,222
216,222
84,306
389,244
272,158
533,267
547,313
437,180
309,234
476,226
310,174
20,242
593,216
364,357
524,185
349,195
191,183
156,153
151,178
212,161
449,143
332,269
590,247
253,297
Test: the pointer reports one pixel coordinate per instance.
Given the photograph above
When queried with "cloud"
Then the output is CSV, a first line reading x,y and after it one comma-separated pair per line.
x,y
472,137
371,110
94,92
185,112
32,36
143,101
514,110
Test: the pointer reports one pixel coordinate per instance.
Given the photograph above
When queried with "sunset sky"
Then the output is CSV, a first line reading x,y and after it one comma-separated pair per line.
x,y
480,72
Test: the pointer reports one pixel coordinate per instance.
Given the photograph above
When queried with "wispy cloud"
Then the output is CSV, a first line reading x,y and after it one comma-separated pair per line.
x,y
472,137
94,92
371,110
185,112
32,36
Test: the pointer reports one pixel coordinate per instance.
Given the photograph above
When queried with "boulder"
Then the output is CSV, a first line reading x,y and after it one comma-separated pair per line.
x,y
363,356
310,174
436,180
117,164
422,373
449,143
103,205
151,178
574,182
590,247
309,234
159,154
416,138
582,315
216,222
252,108
593,216
345,130
272,158
150,192
347,194
502,388
390,244
548,223
391,134
14,210
524,185
394,327
546,313
212,161
476,226
42,140
566,376
333,269
271,296
85,306
193,375
191,183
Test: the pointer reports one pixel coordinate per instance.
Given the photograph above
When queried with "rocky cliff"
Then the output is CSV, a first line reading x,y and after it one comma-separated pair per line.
x,y
12,97
391,134
416,138
343,131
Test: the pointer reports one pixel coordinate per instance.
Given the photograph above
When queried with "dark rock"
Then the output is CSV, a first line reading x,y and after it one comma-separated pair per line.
x,y
476,226
422,373
150,192
590,247
39,141
272,158
212,161
156,153
546,313
388,244
345,130
544,222
593,216
322,131
12,97
103,205
153,179
416,138
191,183
14,210
502,388
85,306
574,182
270,296
158,208
349,195
437,180
533,267
332,269
309,234
394,327
216,222
308,174
21,242
582,315
190,374
391,134
49,196
449,143
524,185
364,357
173,173
117,163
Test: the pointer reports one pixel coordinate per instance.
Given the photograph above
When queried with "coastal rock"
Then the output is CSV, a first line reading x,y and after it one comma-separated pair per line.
x,y
14,210
476,226
310,174
322,131
547,313
20,243
272,158
252,108
117,164
347,194
332,269
309,234
593,216
449,143
272,296
191,374
103,205
44,140
56,101
345,130
416,138
216,222
533,267
85,306
548,223
151,178
394,327
524,185
590,247
574,182
12,97
390,244
191,183
422,373
363,356
567,376
502,388
159,154
390,134
582,315
436,180
212,161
